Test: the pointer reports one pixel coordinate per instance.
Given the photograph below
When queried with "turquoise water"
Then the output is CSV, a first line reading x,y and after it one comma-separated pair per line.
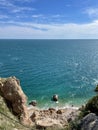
x,y
68,68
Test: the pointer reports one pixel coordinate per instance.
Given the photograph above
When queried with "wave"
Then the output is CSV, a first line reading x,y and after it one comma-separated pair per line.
x,y
95,81
67,106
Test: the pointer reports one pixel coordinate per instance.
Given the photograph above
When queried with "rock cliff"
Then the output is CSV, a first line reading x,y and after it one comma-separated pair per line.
x,y
7,120
15,99
89,122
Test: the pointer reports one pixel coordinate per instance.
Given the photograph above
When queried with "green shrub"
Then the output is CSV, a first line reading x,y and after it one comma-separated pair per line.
x,y
92,105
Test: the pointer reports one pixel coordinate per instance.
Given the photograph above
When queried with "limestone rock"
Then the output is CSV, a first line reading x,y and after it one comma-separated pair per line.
x,y
15,98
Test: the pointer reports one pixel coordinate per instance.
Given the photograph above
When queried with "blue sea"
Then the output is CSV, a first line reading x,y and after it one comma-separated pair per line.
x,y
68,68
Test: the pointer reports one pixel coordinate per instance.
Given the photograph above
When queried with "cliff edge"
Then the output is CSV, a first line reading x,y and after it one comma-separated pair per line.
x,y
13,110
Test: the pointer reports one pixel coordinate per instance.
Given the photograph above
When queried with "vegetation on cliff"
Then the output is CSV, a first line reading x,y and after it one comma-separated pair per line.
x,y
96,89
7,120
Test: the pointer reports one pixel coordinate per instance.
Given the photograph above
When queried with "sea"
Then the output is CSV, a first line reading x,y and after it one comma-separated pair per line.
x,y
68,68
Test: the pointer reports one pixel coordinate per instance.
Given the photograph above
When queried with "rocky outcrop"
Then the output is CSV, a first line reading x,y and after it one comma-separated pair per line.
x,y
53,119
16,100
7,120
89,122
89,114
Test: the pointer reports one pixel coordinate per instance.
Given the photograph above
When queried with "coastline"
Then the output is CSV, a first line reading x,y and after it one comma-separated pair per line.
x,y
54,118
55,105
67,110
30,107
62,103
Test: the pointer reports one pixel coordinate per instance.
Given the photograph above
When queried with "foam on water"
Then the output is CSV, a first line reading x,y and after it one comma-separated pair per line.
x,y
95,81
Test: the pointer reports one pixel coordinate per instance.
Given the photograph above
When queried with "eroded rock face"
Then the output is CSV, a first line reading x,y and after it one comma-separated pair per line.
x,y
15,98
89,122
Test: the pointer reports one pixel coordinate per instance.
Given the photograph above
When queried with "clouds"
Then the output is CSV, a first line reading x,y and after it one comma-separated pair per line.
x,y
92,12
9,6
47,19
45,11
16,10
22,9
38,16
5,3
50,31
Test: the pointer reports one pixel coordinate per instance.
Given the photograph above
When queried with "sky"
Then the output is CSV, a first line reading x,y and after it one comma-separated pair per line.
x,y
48,19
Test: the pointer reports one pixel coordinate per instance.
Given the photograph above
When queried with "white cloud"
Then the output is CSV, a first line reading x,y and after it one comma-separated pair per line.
x,y
92,12
22,9
50,31
57,16
11,2
12,8
37,16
